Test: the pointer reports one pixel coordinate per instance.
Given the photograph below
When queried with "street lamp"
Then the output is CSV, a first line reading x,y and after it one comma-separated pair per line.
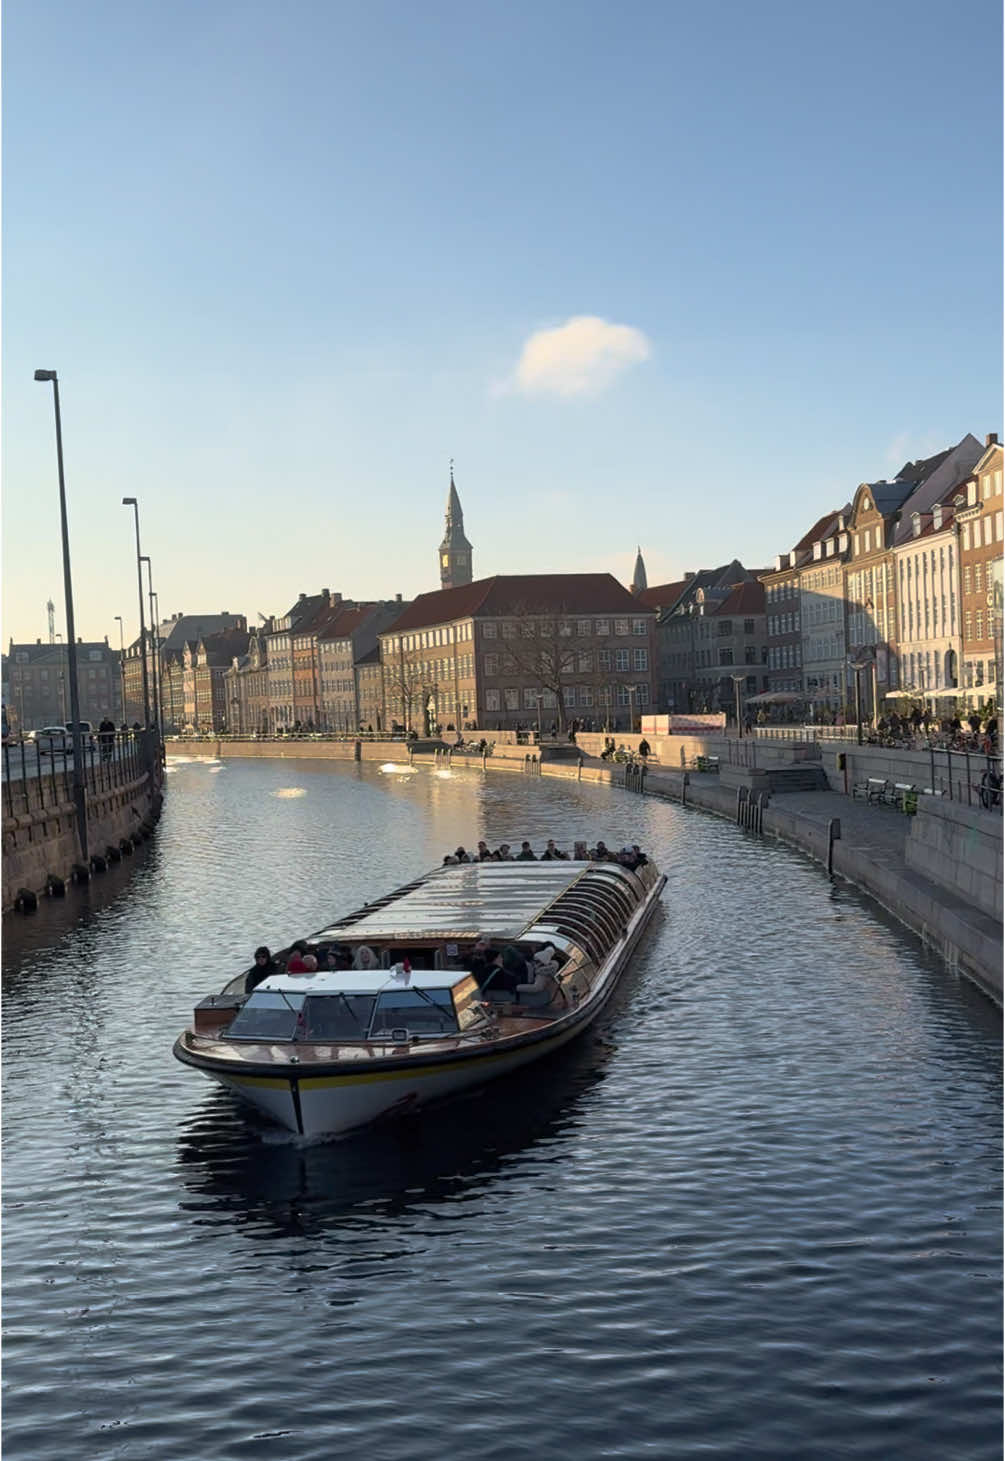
x,y
132,502
144,558
737,682
538,697
71,635
631,689
122,667
858,665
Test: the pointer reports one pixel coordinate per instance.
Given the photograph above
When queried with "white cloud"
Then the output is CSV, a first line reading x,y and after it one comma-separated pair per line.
x,y
579,358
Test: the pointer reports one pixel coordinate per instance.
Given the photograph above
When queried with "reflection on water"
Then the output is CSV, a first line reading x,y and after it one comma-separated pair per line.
x,y
755,1213
243,1170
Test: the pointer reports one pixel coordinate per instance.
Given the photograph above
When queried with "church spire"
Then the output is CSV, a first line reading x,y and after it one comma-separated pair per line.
x,y
455,550
639,581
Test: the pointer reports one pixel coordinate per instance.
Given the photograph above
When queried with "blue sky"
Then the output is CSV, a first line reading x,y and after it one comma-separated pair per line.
x,y
289,260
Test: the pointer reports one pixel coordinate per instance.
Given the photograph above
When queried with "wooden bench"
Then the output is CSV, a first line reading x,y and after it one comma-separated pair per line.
x,y
875,790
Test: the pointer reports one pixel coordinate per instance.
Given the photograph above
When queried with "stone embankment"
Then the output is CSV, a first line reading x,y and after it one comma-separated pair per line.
x,y
41,850
938,871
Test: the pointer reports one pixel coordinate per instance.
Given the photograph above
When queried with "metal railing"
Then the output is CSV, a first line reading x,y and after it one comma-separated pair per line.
x,y
35,780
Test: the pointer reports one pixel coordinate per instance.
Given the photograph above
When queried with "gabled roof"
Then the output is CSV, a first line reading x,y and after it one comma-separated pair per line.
x,y
952,466
923,468
664,595
222,648
193,627
746,598
526,593
822,528
344,623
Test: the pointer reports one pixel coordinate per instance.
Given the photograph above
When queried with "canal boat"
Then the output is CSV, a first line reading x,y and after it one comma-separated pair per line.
x,y
327,1051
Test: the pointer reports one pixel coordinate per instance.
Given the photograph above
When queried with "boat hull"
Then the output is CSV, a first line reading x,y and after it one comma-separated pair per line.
x,y
334,1101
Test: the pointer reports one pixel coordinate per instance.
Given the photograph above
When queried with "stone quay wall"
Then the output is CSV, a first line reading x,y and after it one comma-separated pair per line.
x,y
42,843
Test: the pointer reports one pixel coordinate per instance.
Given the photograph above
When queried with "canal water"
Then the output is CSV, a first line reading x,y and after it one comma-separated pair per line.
x,y
755,1213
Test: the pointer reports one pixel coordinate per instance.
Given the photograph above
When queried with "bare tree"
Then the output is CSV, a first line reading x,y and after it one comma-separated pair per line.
x,y
541,651
405,687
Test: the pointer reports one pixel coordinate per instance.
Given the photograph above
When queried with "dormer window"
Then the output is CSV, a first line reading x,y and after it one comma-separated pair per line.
x,y
817,551
830,547
866,504
937,516
971,494
915,524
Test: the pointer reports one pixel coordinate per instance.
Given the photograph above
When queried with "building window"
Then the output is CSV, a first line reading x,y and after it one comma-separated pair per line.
x,y
638,626
640,659
586,695
529,699
585,662
621,626
725,656
621,659
642,694
583,628
491,699
492,664
603,626
488,631
604,659
748,626
512,699
508,629
725,628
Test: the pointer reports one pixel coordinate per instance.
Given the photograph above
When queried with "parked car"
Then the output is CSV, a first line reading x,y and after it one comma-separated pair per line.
x,y
53,740
86,732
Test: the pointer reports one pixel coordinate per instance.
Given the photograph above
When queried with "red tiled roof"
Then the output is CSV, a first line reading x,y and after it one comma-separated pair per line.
x,y
816,532
746,598
528,593
663,596
344,622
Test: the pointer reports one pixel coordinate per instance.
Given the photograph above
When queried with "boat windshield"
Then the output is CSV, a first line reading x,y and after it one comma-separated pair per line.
x,y
267,1015
421,1011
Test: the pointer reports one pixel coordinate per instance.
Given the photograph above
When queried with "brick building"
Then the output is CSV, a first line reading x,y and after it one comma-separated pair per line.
x,y
514,649
38,689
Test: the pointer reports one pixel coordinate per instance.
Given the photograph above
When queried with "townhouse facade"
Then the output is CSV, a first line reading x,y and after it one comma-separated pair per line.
x,y
731,646
343,645
926,572
979,519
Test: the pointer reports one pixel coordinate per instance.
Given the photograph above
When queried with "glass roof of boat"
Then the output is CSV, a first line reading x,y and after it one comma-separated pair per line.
x,y
361,981
500,899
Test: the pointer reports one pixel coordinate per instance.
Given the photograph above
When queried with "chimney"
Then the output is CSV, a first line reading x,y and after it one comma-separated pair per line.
x,y
302,597
38,641
991,439
326,594
397,598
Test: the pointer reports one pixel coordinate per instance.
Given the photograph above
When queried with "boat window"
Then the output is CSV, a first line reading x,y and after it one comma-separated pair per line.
x,y
267,1015
467,997
337,1016
423,1011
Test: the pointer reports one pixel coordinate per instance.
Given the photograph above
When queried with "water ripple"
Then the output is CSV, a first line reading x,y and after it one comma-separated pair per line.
x,y
755,1213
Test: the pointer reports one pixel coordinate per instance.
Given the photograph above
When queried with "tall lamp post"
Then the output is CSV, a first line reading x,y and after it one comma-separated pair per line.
x,y
132,502
122,667
79,796
631,708
737,682
538,697
144,558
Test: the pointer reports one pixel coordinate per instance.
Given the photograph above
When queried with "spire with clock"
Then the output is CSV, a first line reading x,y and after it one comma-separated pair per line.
x,y
455,550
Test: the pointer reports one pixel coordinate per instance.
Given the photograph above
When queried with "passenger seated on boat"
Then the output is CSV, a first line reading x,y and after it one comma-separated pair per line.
x,y
263,966
602,853
450,860
640,858
295,963
310,964
504,854
580,852
484,852
542,989
526,853
552,854
461,855
365,958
